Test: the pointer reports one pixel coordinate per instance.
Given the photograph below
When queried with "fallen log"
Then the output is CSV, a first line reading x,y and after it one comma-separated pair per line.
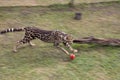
x,y
101,41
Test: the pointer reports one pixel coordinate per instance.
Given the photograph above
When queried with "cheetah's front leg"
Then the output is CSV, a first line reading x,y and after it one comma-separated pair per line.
x,y
57,45
73,50
63,50
31,44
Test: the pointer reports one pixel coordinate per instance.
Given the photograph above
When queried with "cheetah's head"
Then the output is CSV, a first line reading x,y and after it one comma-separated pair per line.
x,y
68,39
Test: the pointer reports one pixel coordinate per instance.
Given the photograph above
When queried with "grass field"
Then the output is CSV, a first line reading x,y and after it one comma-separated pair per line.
x,y
44,62
44,2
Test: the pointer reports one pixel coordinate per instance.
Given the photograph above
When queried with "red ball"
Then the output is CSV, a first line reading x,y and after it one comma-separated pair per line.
x,y
72,56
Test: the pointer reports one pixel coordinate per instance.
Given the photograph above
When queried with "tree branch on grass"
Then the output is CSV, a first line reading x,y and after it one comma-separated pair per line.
x,y
101,41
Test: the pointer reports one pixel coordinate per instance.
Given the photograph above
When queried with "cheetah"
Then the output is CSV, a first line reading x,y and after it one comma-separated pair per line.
x,y
56,37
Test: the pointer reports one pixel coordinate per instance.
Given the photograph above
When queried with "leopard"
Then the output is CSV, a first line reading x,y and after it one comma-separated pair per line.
x,y
50,36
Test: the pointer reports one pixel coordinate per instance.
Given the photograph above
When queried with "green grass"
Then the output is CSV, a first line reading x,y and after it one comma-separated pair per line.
x,y
44,62
45,2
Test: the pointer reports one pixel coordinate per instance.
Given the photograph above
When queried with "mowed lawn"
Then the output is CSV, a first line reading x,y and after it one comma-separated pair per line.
x,y
44,61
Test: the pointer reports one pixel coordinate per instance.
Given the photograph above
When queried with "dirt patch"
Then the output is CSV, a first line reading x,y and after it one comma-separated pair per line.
x,y
18,3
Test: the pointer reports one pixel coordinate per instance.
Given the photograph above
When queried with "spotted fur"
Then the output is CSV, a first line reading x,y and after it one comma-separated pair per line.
x,y
31,33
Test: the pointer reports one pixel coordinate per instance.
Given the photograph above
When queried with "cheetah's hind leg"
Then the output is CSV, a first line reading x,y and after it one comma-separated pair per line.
x,y
17,46
23,41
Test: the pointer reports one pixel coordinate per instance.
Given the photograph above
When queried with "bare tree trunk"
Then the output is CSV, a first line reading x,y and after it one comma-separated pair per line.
x,y
101,41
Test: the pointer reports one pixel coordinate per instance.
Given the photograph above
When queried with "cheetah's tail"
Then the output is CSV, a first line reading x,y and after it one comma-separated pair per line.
x,y
11,30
